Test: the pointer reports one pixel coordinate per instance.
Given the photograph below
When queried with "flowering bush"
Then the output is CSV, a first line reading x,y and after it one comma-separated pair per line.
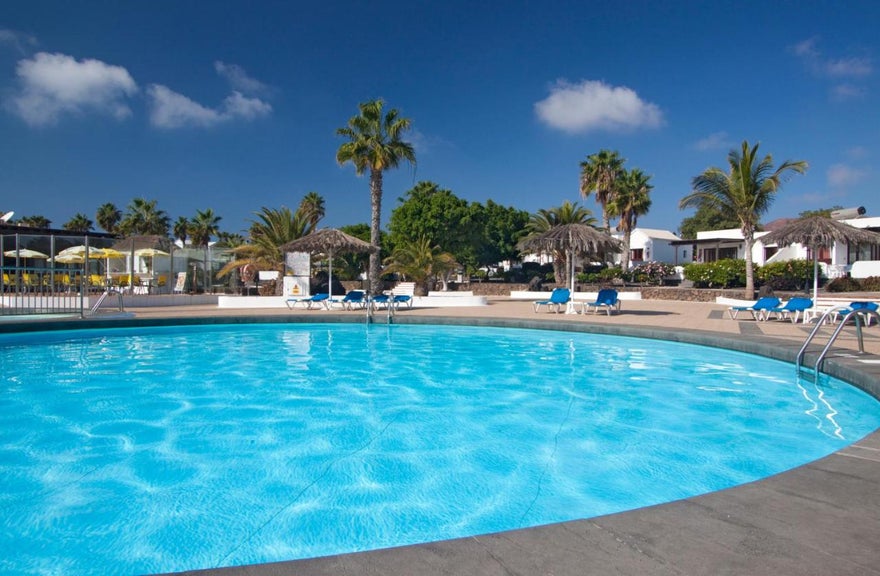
x,y
788,275
652,273
719,274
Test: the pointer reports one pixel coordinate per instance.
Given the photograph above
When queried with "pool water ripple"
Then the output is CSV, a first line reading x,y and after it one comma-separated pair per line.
x,y
179,448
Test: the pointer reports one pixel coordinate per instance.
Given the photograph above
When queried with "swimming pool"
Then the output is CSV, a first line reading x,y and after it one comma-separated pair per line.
x,y
146,450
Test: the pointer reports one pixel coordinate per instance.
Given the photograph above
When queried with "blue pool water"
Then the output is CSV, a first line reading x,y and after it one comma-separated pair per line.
x,y
165,449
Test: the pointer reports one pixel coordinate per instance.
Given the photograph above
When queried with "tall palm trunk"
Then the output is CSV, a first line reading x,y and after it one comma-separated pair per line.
x,y
749,241
624,261
375,278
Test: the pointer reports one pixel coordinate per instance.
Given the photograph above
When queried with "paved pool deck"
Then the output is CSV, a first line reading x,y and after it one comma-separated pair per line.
x,y
822,518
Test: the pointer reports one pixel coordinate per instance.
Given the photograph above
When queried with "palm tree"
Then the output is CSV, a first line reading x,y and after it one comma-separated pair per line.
x,y
748,191
272,229
421,262
180,229
79,223
375,145
229,240
599,174
204,225
143,218
631,201
544,220
35,221
108,217
312,207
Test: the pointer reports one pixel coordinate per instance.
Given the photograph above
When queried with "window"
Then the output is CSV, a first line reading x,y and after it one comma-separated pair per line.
x,y
727,253
637,255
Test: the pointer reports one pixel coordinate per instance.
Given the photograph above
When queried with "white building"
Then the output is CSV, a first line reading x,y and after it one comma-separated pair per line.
x,y
835,261
651,245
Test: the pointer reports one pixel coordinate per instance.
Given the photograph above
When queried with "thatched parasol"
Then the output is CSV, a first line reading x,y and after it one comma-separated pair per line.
x,y
327,241
819,231
572,238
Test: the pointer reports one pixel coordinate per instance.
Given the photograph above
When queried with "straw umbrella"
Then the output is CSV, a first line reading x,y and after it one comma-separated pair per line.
x,y
819,231
26,253
131,245
328,241
574,239
150,253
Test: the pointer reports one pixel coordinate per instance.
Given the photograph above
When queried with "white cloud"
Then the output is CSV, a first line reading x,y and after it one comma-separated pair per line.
x,y
842,176
169,109
56,84
847,67
857,152
714,141
237,105
239,79
594,105
19,41
806,48
847,92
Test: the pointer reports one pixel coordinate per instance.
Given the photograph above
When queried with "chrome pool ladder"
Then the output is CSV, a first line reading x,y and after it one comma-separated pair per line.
x,y
857,314
104,296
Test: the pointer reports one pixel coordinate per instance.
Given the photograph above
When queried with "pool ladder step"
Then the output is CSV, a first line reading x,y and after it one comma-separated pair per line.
x,y
857,314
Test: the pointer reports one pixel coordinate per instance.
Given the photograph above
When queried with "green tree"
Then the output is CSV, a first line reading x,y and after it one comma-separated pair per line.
x,y
824,212
599,175
229,240
374,145
503,227
544,220
142,217
78,223
180,229
108,217
747,190
203,226
34,221
312,207
420,261
349,265
439,215
271,230
707,218
631,201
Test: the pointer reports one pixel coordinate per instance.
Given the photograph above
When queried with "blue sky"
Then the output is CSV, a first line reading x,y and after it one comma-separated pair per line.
x,y
234,105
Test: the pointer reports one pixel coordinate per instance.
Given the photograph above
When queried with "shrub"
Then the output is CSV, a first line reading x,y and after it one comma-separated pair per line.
x,y
844,284
788,275
652,273
718,274
871,284
609,274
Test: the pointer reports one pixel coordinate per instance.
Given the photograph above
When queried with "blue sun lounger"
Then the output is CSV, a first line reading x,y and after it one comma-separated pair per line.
x,y
354,299
318,300
793,309
761,306
606,299
558,298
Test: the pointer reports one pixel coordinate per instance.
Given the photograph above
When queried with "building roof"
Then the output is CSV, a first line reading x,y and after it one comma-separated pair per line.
x,y
659,234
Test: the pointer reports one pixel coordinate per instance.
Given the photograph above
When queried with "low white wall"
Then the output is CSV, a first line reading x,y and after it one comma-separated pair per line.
x,y
251,302
864,268
434,300
578,296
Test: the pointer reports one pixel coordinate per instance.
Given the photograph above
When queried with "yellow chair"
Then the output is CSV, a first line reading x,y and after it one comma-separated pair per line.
x,y
32,281
96,280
